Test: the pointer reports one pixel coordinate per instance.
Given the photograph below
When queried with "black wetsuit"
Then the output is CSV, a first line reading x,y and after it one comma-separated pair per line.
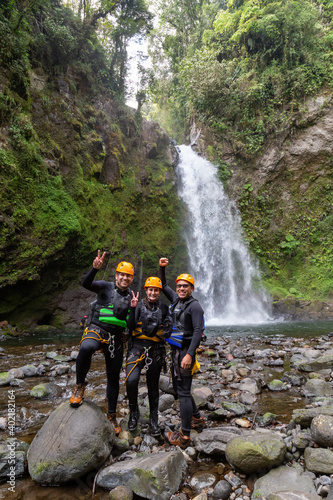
x,y
92,342
192,322
155,353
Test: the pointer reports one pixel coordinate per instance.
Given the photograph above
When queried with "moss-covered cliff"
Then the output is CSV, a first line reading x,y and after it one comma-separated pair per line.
x,y
285,196
79,171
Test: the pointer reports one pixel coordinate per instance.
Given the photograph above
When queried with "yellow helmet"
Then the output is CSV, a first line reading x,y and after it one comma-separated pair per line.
x,y
153,281
125,267
186,277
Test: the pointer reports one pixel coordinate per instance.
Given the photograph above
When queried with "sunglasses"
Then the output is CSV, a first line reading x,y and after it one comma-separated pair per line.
x,y
182,286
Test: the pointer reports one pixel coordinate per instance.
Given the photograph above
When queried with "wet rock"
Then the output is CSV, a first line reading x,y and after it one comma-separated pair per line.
x,y
62,358
165,402
72,442
235,408
315,365
13,453
29,370
283,479
201,480
5,378
222,490
317,387
293,495
204,393
121,492
319,460
293,379
16,372
201,496
165,385
322,430
255,451
249,385
304,416
247,398
213,441
158,475
44,391
266,419
58,370
219,414
277,385
233,480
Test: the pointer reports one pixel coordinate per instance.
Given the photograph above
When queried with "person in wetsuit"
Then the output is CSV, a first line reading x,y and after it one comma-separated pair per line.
x,y
105,327
188,324
149,321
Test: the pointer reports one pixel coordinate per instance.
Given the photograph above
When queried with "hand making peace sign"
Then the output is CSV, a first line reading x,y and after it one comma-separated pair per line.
x,y
135,299
98,261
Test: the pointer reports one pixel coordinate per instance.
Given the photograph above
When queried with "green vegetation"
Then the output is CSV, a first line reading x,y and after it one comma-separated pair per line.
x,y
244,70
75,176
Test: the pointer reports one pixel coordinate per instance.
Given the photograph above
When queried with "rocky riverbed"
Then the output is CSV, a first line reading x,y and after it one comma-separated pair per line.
x,y
268,403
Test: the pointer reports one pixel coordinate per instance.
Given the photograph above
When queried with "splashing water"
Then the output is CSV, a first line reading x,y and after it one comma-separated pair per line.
x,y
227,281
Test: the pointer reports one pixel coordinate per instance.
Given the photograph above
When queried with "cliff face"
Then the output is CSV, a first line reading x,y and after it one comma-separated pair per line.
x,y
80,172
285,197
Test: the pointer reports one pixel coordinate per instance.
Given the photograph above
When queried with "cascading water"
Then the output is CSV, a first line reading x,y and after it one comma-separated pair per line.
x,y
227,281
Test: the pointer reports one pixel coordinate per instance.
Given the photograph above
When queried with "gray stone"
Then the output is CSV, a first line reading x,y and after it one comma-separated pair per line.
x,y
201,480
317,387
315,365
222,490
29,370
166,386
165,402
293,495
293,379
277,385
304,416
16,372
203,392
213,441
72,442
322,430
235,408
13,453
121,492
5,378
255,451
44,391
319,460
220,414
283,479
158,475
249,385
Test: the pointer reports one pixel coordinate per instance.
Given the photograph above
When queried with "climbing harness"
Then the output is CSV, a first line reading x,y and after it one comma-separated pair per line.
x,y
98,331
144,356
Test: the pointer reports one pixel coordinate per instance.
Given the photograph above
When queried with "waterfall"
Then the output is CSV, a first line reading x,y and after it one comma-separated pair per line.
x,y
227,280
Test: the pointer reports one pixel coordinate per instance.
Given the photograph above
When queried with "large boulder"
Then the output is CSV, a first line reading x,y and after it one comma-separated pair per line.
x,y
322,430
319,460
285,479
213,441
255,451
72,442
304,416
158,475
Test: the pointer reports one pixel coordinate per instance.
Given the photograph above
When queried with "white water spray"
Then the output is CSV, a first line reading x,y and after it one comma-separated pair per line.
x,y
227,281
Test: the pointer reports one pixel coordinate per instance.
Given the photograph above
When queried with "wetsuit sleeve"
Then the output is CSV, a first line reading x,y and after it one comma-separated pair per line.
x,y
168,292
89,283
197,324
134,316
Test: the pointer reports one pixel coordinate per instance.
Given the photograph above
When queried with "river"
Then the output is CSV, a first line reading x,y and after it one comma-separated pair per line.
x,y
32,413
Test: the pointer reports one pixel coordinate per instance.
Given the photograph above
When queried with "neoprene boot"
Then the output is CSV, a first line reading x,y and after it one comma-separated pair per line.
x,y
77,396
133,417
113,419
178,439
153,424
198,423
